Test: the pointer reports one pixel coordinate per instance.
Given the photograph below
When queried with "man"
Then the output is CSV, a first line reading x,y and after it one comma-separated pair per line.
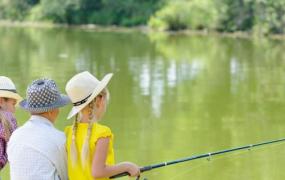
x,y
36,151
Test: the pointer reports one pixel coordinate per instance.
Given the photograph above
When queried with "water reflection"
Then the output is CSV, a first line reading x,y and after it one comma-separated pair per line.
x,y
144,80
172,95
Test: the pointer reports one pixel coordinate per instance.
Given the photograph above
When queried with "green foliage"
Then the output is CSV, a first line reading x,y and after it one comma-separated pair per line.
x,y
237,16
54,10
195,14
17,9
171,17
257,16
126,13
105,12
2,9
270,16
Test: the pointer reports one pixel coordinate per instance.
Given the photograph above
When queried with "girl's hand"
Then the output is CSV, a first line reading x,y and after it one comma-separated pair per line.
x,y
132,169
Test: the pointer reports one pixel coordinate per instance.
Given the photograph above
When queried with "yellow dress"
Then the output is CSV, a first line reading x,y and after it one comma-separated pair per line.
x,y
77,171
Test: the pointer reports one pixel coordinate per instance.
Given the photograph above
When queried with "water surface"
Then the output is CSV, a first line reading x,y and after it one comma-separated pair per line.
x,y
172,96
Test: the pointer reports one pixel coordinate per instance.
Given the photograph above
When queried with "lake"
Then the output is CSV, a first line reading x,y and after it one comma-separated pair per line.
x,y
172,95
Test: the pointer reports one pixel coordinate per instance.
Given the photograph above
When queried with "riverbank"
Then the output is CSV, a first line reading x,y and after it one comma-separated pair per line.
x,y
5,23
144,29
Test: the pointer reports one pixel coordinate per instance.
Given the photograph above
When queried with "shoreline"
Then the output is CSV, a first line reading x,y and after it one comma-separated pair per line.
x,y
143,29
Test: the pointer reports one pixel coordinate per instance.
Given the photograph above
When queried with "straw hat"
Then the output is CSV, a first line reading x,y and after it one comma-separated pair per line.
x,y
8,89
43,96
83,88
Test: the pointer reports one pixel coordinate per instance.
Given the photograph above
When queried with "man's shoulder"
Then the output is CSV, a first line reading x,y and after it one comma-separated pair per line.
x,y
29,134
20,132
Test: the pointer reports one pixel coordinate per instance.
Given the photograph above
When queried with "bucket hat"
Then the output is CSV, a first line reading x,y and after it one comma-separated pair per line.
x,y
43,96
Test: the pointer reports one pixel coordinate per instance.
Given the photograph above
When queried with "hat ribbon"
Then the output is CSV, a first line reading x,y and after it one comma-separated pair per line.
x,y
82,101
11,90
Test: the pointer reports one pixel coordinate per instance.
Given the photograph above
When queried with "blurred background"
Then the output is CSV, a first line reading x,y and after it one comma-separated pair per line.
x,y
256,16
174,93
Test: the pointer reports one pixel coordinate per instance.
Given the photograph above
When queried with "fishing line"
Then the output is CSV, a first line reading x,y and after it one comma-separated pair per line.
x,y
206,155
233,156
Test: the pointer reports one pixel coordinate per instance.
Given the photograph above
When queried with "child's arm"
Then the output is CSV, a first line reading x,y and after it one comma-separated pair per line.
x,y
100,169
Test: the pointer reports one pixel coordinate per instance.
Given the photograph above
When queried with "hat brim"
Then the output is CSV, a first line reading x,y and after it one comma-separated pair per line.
x,y
103,83
62,101
12,95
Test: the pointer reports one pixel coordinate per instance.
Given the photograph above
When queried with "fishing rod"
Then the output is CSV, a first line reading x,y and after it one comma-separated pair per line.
x,y
208,155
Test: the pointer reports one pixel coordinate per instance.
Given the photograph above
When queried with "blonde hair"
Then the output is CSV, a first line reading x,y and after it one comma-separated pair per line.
x,y
92,119
73,149
5,124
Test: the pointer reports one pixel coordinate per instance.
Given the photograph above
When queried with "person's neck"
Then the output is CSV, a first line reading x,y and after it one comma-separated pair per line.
x,y
46,116
84,118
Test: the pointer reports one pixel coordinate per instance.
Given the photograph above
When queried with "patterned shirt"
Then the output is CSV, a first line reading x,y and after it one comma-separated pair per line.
x,y
3,142
36,151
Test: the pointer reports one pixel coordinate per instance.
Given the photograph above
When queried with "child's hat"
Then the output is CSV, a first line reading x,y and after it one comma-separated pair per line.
x,y
8,89
43,96
83,88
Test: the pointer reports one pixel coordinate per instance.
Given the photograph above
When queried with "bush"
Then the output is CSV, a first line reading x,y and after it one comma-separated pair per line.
x,y
258,16
271,16
17,9
171,17
106,12
238,15
185,14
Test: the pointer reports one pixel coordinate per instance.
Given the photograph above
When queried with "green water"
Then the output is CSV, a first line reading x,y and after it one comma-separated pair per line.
x,y
172,96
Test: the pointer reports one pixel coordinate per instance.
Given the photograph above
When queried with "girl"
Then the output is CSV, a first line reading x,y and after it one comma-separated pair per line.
x,y
89,144
8,99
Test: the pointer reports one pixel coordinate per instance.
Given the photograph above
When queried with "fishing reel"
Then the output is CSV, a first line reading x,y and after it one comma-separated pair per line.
x,y
138,178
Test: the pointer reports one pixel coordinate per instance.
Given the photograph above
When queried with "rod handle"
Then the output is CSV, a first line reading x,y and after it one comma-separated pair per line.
x,y
120,175
142,169
145,168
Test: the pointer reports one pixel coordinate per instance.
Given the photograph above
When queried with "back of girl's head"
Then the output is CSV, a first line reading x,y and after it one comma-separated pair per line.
x,y
91,106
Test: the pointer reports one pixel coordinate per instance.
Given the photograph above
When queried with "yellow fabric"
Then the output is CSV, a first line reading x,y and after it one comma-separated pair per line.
x,y
77,171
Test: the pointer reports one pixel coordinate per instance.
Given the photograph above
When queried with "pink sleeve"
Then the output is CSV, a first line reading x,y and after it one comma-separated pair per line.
x,y
3,155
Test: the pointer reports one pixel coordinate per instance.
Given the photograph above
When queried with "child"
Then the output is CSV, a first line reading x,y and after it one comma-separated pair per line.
x,y
89,144
8,99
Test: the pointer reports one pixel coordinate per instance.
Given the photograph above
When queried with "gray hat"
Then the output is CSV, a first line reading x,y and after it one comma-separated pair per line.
x,y
43,96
